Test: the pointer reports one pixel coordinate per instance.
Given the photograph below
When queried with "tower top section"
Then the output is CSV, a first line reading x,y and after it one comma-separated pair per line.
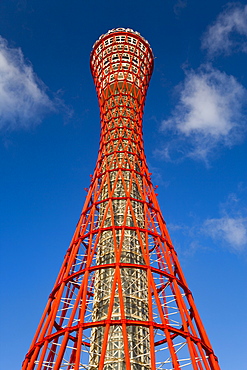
x,y
121,59
122,30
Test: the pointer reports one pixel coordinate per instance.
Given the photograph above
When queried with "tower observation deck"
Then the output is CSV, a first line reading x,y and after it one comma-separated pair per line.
x,y
120,300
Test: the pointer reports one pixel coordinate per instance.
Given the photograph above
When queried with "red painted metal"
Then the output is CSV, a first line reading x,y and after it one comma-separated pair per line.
x,y
121,300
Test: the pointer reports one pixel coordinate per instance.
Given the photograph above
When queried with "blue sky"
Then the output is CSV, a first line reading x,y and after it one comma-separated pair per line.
x,y
195,140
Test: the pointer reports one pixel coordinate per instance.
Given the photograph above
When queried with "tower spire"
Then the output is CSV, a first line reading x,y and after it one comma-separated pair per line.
x,y
120,300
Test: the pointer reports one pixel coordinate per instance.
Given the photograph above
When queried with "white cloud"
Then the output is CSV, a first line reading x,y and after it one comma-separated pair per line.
x,y
229,32
232,230
23,100
208,112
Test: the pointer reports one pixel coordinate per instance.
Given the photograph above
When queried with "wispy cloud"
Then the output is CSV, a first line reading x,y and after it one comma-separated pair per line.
x,y
23,97
227,230
229,32
179,5
232,230
209,113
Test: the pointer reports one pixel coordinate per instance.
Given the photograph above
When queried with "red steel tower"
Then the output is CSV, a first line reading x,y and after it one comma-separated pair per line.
x,y
120,300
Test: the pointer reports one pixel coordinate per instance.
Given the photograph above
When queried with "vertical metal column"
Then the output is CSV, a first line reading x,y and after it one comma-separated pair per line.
x,y
133,279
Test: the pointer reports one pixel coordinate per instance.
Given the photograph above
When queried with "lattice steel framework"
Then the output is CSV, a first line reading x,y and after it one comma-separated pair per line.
x,y
120,300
